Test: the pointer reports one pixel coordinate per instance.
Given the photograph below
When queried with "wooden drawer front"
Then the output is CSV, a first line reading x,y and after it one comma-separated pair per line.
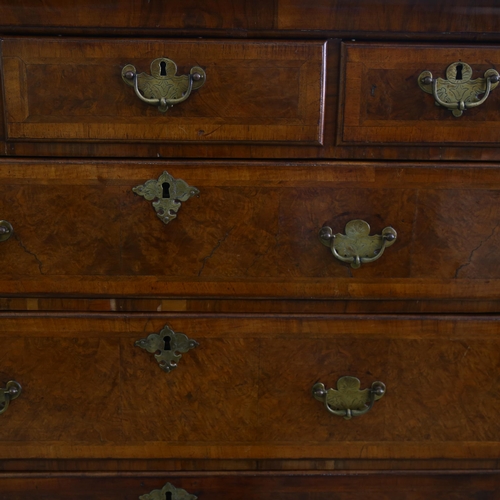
x,y
79,229
72,90
383,103
256,486
246,390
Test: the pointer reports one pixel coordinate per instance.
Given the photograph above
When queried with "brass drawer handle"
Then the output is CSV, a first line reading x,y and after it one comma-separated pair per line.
x,y
458,92
6,230
166,193
11,391
166,346
163,88
168,492
347,400
357,246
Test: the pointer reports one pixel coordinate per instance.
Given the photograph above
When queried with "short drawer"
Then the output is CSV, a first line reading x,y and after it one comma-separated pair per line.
x,y
385,104
244,388
251,231
252,486
251,91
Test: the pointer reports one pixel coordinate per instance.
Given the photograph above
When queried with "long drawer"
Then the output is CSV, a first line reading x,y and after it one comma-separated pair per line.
x,y
256,486
79,228
112,386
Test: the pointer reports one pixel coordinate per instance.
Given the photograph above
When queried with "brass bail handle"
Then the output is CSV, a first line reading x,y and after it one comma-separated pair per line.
x,y
6,230
11,391
348,400
458,92
163,88
356,246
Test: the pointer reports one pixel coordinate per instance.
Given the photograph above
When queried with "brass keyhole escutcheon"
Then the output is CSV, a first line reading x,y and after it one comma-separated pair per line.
x,y
166,195
168,492
167,347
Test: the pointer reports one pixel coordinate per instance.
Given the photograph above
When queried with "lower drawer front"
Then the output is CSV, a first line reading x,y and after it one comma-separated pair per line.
x,y
246,390
80,229
270,486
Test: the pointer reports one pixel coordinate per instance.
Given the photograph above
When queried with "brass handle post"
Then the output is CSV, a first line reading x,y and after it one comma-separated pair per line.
x,y
11,391
6,230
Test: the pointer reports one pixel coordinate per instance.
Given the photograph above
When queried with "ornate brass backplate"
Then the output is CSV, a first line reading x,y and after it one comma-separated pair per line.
x,y
163,88
458,91
11,391
167,345
6,230
357,246
348,400
169,492
167,193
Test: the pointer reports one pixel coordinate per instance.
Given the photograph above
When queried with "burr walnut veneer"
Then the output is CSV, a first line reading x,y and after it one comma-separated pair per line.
x,y
167,303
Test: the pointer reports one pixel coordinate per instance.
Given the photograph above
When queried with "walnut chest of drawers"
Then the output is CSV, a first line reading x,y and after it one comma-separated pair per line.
x,y
249,250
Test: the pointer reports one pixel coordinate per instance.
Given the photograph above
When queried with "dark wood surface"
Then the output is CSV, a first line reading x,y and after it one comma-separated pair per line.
x,y
97,418
263,306
161,465
271,486
245,391
427,19
79,229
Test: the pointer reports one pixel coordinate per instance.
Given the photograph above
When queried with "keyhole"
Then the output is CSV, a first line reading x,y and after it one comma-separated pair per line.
x,y
168,495
166,340
459,71
166,190
163,71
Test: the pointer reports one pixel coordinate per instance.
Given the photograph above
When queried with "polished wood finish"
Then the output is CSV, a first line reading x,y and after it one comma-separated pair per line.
x,y
440,373
72,90
233,17
260,486
384,105
426,19
256,226
263,306
311,116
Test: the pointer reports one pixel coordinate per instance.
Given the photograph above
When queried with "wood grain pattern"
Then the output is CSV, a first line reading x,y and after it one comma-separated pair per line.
x,y
446,19
261,486
248,226
383,103
241,18
261,306
72,90
207,465
245,392
208,149
234,17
